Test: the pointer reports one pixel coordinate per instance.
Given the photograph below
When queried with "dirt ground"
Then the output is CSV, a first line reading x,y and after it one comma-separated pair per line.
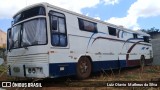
x,y
97,81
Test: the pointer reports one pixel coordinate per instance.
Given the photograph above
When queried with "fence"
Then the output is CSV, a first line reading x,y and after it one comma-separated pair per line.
x,y
156,51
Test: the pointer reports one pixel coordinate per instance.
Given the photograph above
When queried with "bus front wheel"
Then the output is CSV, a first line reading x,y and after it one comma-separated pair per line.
x,y
83,68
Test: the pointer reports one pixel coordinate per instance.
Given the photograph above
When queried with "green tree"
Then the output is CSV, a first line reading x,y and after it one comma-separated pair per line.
x,y
151,30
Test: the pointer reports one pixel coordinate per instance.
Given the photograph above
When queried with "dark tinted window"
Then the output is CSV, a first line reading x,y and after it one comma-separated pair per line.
x,y
135,35
87,25
146,39
29,13
112,31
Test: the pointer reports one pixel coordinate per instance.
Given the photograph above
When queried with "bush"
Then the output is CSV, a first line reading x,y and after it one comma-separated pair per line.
x,y
2,52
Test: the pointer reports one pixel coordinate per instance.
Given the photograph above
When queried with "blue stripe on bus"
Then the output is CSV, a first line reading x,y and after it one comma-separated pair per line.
x,y
93,35
70,68
105,65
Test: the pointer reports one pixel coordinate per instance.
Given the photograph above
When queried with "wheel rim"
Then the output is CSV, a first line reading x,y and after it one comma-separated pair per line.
x,y
83,67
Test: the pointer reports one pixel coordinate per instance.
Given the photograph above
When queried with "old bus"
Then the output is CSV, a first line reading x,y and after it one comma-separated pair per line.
x,y
46,41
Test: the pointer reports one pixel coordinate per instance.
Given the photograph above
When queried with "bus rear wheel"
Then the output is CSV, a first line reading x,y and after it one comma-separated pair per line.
x,y
83,68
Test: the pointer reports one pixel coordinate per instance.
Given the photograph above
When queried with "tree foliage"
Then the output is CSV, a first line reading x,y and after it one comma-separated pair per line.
x,y
151,30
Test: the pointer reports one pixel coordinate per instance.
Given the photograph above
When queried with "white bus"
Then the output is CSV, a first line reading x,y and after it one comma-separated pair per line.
x,y
46,41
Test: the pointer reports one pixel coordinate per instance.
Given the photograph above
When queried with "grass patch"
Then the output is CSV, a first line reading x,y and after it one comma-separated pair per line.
x,y
2,68
130,76
151,71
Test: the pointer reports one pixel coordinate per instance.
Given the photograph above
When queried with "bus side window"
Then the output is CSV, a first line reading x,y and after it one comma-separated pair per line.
x,y
127,35
85,25
112,31
135,35
58,29
146,39
54,23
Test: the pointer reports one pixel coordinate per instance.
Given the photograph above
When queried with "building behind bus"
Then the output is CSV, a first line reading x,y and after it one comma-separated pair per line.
x,y
3,37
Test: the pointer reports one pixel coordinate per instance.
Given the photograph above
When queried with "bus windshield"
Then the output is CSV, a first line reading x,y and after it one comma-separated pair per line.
x,y
32,32
35,11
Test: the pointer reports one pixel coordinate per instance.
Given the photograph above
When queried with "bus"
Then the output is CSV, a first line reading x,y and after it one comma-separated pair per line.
x,y
47,41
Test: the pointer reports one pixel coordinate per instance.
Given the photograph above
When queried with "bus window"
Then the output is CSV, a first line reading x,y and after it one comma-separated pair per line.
x,y
39,10
34,32
112,31
15,36
127,35
146,39
135,35
87,25
54,23
58,29
139,36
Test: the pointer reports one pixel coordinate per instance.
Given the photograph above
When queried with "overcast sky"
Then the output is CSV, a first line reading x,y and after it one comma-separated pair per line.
x,y
133,14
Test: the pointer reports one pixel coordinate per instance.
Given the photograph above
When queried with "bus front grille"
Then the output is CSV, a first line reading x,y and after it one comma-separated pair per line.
x,y
39,58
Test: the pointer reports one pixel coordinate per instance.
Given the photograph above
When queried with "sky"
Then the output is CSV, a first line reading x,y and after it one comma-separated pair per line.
x,y
132,14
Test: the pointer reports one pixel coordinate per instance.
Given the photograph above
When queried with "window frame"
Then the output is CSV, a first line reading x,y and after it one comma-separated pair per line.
x,y
58,33
83,29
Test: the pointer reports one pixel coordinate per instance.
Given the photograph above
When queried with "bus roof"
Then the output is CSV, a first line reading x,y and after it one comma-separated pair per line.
x,y
83,16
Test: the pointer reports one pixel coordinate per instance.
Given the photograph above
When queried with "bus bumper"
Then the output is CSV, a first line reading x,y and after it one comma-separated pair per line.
x,y
29,70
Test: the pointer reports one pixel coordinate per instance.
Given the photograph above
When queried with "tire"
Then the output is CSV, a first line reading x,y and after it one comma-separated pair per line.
x,y
142,64
83,68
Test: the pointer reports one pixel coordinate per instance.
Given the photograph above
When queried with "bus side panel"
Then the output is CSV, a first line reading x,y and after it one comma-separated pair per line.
x,y
134,56
62,69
